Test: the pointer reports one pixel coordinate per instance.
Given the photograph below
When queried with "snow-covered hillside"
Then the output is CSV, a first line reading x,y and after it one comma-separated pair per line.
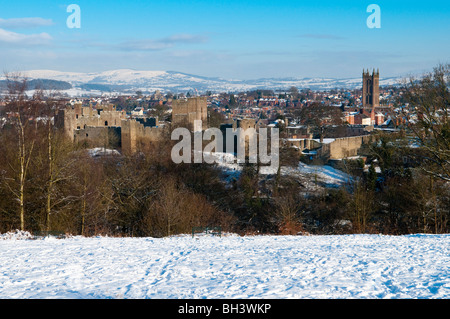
x,y
127,80
311,176
122,76
326,267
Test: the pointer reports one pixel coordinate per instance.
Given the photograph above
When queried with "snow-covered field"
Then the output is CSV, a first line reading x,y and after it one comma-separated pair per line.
x,y
277,267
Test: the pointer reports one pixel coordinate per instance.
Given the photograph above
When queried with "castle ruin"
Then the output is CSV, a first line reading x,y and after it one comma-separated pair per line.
x,y
185,112
110,128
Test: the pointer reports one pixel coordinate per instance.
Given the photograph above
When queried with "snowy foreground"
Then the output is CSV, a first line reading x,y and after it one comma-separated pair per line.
x,y
277,267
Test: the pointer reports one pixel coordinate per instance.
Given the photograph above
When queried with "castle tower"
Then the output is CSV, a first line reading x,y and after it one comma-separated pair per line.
x,y
371,89
190,110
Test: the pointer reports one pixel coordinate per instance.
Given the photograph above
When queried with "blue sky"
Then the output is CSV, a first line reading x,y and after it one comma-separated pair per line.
x,y
230,39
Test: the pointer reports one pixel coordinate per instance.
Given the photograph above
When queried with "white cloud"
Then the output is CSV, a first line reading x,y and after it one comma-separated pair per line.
x,y
19,23
161,44
144,45
27,39
184,38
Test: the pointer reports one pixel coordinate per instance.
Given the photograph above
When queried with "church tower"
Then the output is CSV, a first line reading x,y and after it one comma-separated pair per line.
x,y
371,89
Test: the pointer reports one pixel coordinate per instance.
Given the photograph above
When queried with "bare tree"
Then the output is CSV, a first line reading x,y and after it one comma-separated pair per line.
x,y
320,117
22,115
168,208
288,205
294,92
92,193
427,116
361,207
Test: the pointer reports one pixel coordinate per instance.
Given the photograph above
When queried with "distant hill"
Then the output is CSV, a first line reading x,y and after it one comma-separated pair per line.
x,y
43,84
129,81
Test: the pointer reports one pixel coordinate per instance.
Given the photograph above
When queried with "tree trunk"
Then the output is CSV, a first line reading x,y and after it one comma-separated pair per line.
x,y
50,177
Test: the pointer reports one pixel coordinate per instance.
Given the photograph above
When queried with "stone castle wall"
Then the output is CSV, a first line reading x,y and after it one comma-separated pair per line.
x,y
190,110
243,124
108,137
336,148
110,128
80,118
344,147
105,127
132,132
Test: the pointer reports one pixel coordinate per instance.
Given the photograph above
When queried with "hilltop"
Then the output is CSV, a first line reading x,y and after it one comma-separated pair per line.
x,y
129,81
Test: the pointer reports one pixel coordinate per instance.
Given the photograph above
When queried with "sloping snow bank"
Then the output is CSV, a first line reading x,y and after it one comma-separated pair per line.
x,y
325,175
350,266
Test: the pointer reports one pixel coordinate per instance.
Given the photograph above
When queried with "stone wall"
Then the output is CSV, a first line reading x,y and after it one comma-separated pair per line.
x,y
106,127
243,124
302,144
81,117
190,110
108,137
331,149
132,132
66,120
344,147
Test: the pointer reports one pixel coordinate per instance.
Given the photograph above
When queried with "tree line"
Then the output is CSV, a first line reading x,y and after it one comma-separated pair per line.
x,y
48,183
